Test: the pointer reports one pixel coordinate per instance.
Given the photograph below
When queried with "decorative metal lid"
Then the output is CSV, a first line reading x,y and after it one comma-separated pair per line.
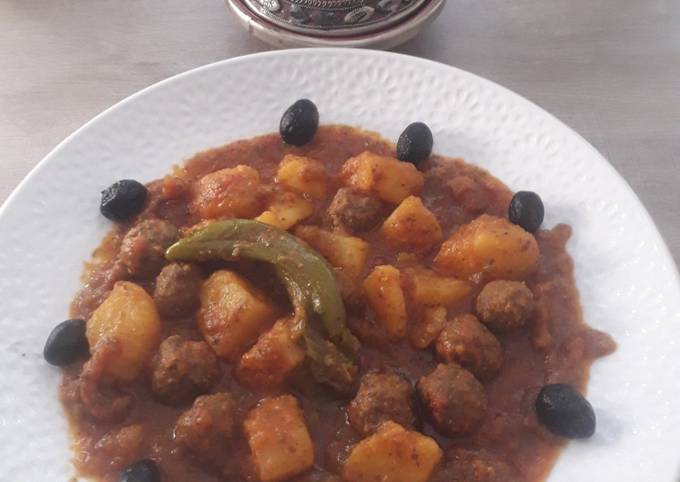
x,y
334,17
356,23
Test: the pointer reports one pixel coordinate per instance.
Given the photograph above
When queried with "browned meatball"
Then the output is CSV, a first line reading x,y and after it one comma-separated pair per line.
x,y
354,210
183,369
475,466
505,305
453,398
382,397
178,289
207,427
469,343
142,250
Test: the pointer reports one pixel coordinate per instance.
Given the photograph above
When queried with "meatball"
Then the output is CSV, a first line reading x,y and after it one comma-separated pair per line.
x,y
475,466
142,250
178,289
183,369
467,342
505,305
207,427
354,210
453,398
382,397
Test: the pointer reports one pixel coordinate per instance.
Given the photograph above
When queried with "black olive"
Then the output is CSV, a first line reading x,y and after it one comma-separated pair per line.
x,y
299,123
415,143
526,209
123,199
144,470
565,412
66,343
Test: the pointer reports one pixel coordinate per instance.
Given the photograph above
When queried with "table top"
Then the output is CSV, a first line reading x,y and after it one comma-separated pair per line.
x,y
610,69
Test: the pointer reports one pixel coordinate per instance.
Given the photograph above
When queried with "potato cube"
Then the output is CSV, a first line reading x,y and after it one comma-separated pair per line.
x,y
268,217
489,248
234,192
348,253
129,317
278,438
425,330
393,454
389,179
303,175
386,299
412,225
286,210
233,313
267,364
425,288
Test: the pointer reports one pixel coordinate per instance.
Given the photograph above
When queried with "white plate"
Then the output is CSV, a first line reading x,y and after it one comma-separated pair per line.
x,y
628,282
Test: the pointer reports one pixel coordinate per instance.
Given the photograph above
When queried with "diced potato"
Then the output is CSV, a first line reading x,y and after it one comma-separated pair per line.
x,y
386,298
268,217
286,210
424,287
303,175
128,316
412,225
233,192
233,313
278,438
425,330
389,179
393,454
348,253
267,364
489,248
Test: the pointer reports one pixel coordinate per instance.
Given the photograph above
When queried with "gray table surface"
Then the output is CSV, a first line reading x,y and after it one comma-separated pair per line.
x,y
608,68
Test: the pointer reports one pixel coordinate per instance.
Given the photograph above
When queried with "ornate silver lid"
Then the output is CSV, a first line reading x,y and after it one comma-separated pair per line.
x,y
288,23
334,17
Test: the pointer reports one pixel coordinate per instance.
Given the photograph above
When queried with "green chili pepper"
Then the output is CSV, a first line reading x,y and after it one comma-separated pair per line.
x,y
309,279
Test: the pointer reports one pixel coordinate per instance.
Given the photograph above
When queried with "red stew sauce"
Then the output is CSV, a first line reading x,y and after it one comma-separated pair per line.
x,y
508,444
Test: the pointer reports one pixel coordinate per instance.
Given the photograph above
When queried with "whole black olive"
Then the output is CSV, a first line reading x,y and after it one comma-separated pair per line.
x,y
123,199
66,343
526,209
415,143
299,123
565,412
144,470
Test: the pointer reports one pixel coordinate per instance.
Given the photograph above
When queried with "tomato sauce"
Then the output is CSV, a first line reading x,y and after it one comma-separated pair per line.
x,y
556,346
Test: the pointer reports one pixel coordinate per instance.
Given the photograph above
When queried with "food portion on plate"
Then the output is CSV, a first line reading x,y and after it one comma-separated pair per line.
x,y
320,305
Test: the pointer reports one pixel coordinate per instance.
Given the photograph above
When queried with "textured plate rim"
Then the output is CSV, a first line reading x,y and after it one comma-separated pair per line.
x,y
663,254
263,55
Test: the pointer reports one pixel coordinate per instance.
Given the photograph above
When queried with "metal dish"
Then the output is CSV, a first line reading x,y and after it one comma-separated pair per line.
x,y
340,23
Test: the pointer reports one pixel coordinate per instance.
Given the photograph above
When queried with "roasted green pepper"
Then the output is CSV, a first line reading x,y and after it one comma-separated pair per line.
x,y
309,279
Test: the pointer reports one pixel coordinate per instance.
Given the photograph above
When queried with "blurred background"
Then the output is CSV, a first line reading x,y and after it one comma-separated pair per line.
x,y
608,68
